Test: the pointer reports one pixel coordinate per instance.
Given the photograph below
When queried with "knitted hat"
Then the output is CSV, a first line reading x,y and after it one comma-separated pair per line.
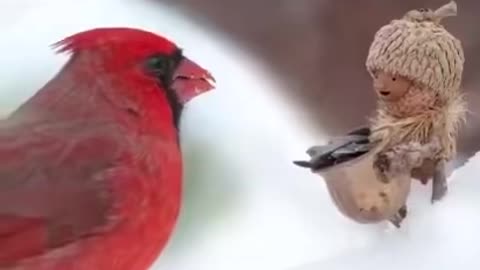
x,y
418,47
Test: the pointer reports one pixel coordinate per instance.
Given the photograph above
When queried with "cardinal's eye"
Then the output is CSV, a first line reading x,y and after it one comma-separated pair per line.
x,y
160,66
163,66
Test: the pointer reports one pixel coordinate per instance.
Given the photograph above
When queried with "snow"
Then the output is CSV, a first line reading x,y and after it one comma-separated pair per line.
x,y
440,237
246,206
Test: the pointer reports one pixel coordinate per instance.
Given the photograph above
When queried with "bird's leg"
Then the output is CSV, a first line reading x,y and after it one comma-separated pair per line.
x,y
397,219
439,183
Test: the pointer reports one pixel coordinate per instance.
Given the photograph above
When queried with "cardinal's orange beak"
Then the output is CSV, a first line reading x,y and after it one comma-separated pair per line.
x,y
191,80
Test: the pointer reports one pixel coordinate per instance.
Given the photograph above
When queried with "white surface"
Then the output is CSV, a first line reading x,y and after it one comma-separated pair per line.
x,y
249,207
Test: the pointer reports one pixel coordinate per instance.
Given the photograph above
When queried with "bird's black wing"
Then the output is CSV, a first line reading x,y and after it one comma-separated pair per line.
x,y
338,150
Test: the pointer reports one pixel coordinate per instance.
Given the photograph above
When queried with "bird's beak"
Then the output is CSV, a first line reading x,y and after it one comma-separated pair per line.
x,y
191,80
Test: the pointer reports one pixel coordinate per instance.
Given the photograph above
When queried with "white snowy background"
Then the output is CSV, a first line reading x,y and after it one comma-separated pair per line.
x,y
246,206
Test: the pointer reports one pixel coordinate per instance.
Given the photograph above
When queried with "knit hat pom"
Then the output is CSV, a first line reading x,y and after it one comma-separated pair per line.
x,y
418,47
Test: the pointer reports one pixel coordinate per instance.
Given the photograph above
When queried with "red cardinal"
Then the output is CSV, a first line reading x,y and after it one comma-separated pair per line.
x,y
90,166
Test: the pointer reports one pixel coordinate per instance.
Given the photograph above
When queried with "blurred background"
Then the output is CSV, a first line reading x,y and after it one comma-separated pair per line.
x,y
320,46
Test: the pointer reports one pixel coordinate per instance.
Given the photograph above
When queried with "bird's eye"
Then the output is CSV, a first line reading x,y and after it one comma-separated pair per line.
x,y
163,66
394,78
160,65
423,10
